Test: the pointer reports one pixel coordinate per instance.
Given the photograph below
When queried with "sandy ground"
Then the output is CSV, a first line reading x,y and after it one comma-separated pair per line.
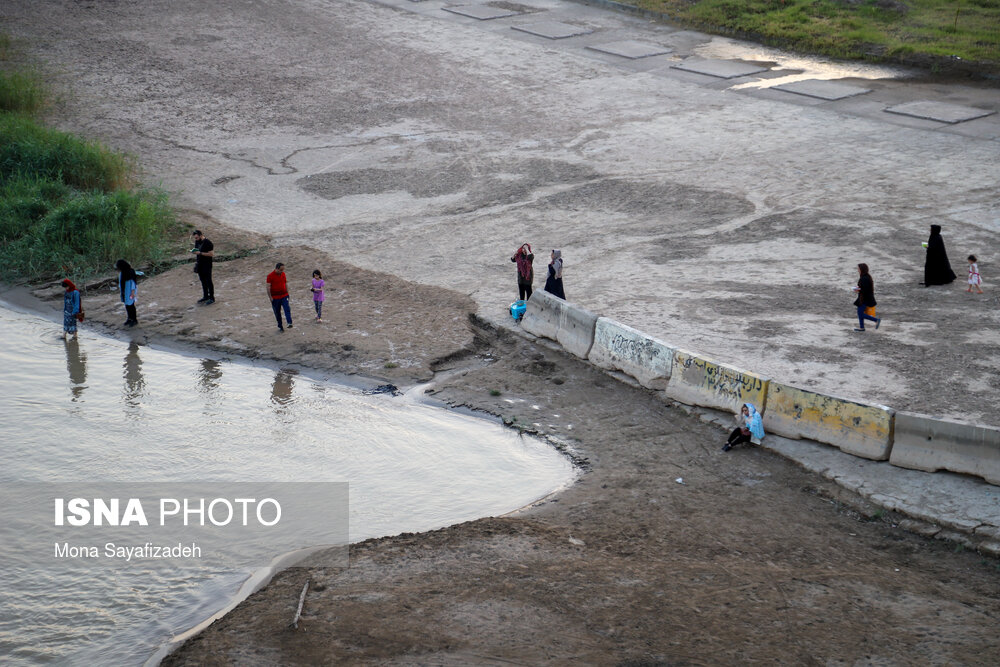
x,y
368,329
727,220
748,559
406,154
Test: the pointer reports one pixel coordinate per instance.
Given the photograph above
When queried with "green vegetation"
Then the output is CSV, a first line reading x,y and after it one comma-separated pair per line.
x,y
67,205
22,92
390,364
928,32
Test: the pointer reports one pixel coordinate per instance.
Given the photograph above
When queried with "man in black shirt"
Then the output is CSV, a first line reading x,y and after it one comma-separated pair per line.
x,y
204,251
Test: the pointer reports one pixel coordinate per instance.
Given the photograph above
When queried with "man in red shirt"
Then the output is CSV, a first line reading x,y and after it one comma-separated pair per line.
x,y
277,291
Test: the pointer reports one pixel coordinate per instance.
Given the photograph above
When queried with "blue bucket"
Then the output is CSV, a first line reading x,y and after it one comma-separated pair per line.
x,y
517,309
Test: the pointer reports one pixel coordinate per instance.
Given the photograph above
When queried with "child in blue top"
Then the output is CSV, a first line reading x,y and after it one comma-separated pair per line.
x,y
127,287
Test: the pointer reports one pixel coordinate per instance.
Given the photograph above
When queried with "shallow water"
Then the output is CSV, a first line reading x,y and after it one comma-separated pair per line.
x,y
792,67
101,409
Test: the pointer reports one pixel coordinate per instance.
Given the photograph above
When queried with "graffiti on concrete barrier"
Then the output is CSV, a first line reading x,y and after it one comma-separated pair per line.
x,y
725,382
630,348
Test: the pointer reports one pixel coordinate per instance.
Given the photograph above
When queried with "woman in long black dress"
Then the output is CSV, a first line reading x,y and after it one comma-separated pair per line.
x,y
937,269
554,283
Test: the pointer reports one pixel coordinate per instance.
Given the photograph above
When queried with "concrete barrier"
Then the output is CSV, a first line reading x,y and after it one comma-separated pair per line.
x,y
620,347
696,380
856,428
541,317
570,325
925,443
576,329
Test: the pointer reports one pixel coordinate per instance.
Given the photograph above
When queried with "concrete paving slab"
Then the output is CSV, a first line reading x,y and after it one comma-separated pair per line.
x,y
480,12
939,111
552,29
723,69
824,90
631,49
956,501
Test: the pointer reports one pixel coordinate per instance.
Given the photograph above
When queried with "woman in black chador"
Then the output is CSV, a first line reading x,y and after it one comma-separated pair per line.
x,y
937,270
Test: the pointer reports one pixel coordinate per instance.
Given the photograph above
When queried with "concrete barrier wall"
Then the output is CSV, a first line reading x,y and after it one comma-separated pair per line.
x,y
870,431
926,443
696,380
550,317
541,316
620,347
856,428
576,329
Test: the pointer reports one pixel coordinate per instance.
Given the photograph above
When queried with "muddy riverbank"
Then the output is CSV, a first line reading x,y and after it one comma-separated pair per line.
x,y
746,558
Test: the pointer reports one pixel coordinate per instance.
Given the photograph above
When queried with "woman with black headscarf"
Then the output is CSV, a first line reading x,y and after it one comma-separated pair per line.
x,y
937,270
866,298
554,283
127,288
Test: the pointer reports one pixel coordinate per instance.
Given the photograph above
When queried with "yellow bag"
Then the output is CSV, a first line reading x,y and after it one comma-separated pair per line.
x,y
870,311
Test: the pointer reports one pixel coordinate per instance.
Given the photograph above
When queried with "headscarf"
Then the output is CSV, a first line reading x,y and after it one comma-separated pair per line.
x,y
125,274
754,422
557,262
68,284
937,268
523,263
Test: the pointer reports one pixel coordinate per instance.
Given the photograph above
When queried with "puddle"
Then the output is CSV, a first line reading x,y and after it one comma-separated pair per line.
x,y
796,67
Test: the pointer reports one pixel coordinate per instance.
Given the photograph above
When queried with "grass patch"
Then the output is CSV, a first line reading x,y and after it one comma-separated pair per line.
x,y
68,206
494,392
21,91
28,149
390,364
49,229
919,30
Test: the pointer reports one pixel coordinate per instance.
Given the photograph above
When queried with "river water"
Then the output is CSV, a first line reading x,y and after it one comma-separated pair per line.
x,y
105,410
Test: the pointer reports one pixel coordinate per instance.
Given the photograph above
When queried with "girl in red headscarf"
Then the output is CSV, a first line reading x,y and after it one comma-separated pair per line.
x,y
525,274
71,308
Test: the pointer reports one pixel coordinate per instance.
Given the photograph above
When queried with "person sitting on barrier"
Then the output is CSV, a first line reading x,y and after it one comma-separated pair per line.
x,y
750,429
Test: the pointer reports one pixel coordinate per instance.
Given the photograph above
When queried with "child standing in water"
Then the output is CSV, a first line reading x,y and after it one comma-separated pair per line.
x,y
318,296
974,278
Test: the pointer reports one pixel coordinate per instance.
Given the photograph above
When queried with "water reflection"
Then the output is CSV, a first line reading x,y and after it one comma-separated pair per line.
x,y
797,67
209,375
135,384
281,388
411,468
76,364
